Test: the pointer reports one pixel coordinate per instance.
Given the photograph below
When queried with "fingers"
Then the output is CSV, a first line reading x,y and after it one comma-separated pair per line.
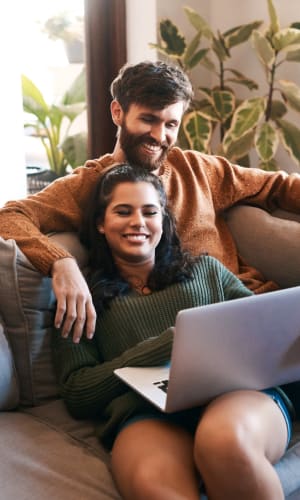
x,y
75,310
76,314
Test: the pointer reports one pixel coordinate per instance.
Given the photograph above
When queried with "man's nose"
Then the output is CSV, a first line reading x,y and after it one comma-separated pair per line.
x,y
158,133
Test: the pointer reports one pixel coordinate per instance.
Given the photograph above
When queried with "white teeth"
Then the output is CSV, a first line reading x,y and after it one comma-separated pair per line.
x,y
137,237
152,147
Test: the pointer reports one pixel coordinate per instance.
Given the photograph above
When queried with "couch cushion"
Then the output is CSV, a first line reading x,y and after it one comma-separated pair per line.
x,y
9,390
27,306
42,462
269,243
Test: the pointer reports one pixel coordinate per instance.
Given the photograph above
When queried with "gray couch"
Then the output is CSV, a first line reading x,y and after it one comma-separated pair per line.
x,y
45,453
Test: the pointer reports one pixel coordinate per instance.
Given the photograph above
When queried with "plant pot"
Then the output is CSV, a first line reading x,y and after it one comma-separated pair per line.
x,y
75,51
38,178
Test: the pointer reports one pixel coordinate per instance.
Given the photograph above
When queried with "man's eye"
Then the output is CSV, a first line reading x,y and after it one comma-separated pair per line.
x,y
147,119
172,125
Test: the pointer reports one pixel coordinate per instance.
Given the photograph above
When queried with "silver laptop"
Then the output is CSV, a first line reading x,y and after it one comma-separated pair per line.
x,y
247,343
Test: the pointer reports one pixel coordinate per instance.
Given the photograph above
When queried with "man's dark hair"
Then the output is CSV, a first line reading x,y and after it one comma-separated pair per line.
x,y
154,84
171,263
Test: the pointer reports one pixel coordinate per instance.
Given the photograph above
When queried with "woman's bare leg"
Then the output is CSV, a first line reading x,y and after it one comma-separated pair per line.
x,y
153,460
239,437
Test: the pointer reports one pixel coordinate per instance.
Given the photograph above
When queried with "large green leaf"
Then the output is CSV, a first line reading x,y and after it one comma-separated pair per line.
x,y
245,118
33,100
77,91
241,79
263,48
75,149
208,111
71,111
191,48
220,49
174,41
274,21
207,63
198,131
198,22
240,34
196,58
266,141
224,103
269,165
237,148
278,110
291,93
285,38
293,55
290,135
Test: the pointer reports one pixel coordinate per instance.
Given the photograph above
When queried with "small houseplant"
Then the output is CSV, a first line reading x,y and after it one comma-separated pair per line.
x,y
51,123
70,30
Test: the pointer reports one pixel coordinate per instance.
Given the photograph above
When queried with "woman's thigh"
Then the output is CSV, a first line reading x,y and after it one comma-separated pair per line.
x,y
249,419
153,458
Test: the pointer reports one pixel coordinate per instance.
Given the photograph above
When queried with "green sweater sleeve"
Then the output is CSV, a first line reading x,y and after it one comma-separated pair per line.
x,y
88,383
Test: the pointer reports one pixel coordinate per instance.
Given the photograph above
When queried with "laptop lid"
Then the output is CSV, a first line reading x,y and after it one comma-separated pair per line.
x,y
247,343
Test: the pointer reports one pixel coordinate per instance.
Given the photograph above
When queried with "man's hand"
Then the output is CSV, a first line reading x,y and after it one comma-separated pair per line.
x,y
75,309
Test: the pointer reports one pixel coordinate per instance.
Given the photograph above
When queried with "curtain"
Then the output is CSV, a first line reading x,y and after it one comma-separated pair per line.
x,y
105,32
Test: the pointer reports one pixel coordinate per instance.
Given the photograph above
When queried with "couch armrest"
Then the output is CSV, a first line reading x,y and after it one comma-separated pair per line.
x,y
270,243
9,390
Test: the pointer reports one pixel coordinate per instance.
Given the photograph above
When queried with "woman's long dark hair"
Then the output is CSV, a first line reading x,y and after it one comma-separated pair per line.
x,y
171,263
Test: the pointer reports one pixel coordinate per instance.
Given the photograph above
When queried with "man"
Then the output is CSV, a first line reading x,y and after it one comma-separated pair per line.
x,y
149,100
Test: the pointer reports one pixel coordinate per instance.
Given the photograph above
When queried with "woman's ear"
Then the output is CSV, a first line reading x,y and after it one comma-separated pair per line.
x,y
100,227
116,112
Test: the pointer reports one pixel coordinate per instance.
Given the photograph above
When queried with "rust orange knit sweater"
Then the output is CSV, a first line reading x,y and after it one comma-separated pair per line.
x,y
199,187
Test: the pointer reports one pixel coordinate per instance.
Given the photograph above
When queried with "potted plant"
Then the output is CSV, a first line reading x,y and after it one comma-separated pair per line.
x,y
70,30
243,124
51,123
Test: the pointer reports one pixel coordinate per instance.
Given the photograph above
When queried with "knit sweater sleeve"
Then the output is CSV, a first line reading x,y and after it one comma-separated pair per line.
x,y
233,287
88,383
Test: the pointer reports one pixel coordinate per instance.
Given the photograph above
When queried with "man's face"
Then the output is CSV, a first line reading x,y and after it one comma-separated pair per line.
x,y
146,135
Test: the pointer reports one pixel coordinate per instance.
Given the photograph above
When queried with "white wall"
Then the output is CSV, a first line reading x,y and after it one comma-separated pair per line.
x,y
12,157
141,21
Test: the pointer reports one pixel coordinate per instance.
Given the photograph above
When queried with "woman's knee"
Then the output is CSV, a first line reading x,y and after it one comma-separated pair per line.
x,y
236,426
228,429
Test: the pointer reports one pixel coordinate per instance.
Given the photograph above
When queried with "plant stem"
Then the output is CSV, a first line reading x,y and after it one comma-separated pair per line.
x,y
271,90
222,87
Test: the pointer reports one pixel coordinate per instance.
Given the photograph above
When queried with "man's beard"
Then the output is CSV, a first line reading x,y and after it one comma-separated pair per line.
x,y
130,144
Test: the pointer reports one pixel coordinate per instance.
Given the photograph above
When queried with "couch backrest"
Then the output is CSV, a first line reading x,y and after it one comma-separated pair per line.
x,y
269,242
27,302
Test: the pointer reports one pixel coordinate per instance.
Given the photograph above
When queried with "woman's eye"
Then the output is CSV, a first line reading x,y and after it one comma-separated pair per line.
x,y
123,213
150,213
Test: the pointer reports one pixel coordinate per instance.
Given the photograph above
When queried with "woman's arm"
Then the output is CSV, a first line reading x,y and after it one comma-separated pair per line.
x,y
88,383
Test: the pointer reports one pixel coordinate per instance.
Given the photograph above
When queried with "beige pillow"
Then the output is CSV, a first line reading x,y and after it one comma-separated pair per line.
x,y
269,243
27,306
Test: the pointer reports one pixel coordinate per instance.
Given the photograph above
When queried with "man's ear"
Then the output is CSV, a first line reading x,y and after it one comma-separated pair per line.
x,y
116,112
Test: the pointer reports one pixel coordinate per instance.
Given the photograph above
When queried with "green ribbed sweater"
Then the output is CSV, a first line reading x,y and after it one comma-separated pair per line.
x,y
136,330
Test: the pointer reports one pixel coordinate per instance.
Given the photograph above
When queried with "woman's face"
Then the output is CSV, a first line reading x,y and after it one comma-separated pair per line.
x,y
133,222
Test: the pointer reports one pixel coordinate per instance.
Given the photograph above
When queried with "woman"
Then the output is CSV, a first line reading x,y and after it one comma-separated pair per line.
x,y
139,279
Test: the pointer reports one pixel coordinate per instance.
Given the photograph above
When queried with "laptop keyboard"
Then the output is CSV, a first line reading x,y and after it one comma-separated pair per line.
x,y
162,384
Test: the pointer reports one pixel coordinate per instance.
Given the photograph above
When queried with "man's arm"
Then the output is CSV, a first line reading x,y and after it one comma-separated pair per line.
x,y
57,208
75,310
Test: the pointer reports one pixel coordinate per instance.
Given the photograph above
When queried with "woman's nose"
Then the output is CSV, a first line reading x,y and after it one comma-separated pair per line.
x,y
137,220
